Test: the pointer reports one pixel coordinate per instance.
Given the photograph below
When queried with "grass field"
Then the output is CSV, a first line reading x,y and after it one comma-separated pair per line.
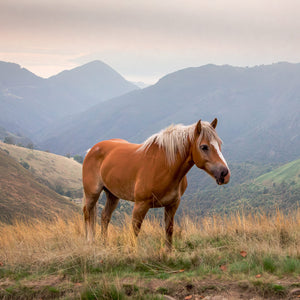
x,y
238,257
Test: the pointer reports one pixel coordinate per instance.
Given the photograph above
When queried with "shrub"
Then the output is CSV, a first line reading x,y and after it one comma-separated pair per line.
x,y
78,158
25,164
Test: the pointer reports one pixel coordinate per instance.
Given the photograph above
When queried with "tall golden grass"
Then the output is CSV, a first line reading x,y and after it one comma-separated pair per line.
x,y
40,243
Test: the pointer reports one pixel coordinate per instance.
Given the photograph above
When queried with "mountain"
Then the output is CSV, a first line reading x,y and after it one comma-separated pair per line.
x,y
29,103
258,111
87,85
23,198
140,84
18,112
12,75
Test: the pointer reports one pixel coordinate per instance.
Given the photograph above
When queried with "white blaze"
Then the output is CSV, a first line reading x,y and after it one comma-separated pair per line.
x,y
216,146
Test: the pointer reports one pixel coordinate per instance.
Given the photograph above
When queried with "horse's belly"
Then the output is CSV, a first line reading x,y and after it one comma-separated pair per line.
x,y
119,184
118,175
168,199
120,189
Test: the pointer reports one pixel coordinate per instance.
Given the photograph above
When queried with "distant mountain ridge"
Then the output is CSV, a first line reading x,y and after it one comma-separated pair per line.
x,y
12,74
258,111
90,84
29,103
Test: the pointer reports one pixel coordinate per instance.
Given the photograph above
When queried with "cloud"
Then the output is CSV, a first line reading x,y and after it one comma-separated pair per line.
x,y
162,35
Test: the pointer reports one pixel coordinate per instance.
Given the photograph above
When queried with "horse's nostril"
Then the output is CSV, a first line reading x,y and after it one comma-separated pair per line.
x,y
224,172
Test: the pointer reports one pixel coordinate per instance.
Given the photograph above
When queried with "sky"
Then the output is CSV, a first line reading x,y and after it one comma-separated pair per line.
x,y
145,40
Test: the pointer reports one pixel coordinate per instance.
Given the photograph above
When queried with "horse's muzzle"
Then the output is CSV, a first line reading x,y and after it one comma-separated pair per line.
x,y
222,175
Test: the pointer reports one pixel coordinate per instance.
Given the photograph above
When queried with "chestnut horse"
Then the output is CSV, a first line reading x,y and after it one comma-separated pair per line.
x,y
152,174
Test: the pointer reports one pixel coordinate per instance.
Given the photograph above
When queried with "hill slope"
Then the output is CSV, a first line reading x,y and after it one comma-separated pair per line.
x,y
258,109
288,173
22,197
60,173
15,139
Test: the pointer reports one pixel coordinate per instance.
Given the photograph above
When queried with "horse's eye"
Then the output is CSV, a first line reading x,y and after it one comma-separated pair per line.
x,y
204,147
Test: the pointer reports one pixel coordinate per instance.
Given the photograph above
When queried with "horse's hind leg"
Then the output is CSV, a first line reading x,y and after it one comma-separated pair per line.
x,y
90,214
110,205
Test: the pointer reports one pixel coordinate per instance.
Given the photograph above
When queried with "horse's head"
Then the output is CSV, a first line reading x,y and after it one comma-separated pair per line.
x,y
206,152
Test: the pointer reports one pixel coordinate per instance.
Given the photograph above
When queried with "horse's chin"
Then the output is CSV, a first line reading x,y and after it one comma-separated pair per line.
x,y
220,181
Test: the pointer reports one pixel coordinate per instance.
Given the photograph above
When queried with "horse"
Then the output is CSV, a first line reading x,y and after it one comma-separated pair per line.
x,y
151,174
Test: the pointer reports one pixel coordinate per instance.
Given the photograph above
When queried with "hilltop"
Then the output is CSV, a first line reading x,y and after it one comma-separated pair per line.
x,y
22,197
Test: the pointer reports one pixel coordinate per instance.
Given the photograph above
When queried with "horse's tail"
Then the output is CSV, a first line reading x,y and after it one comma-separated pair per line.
x,y
90,215
83,201
85,214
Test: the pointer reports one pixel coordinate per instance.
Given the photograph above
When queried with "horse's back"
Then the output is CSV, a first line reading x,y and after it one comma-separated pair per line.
x,y
103,148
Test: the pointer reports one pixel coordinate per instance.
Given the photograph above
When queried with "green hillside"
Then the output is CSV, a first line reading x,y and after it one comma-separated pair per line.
x,y
278,188
22,197
289,173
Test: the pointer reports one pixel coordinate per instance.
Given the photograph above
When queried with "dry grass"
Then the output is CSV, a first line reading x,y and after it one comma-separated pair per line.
x,y
40,243
271,246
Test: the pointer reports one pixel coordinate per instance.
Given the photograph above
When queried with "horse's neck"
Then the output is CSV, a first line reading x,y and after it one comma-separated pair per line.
x,y
181,166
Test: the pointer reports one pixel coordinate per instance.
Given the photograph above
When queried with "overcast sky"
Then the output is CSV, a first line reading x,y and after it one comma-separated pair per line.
x,y
144,40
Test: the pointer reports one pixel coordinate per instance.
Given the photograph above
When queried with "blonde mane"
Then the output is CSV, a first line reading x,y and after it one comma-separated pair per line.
x,y
175,138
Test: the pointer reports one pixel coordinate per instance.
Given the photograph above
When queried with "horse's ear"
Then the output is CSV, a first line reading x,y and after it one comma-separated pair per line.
x,y
198,127
214,123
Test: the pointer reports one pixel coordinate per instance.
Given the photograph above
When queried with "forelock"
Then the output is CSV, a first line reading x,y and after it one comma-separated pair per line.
x,y
208,133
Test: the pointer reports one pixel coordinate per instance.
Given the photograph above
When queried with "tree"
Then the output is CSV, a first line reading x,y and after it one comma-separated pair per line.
x,y
25,164
78,158
59,189
30,146
9,140
68,194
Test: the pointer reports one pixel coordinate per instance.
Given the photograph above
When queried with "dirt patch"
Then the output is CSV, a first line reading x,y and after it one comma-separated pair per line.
x,y
54,286
5,282
214,289
52,280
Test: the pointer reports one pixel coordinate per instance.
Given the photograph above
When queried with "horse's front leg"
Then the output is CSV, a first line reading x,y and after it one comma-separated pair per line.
x,y
139,212
170,211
